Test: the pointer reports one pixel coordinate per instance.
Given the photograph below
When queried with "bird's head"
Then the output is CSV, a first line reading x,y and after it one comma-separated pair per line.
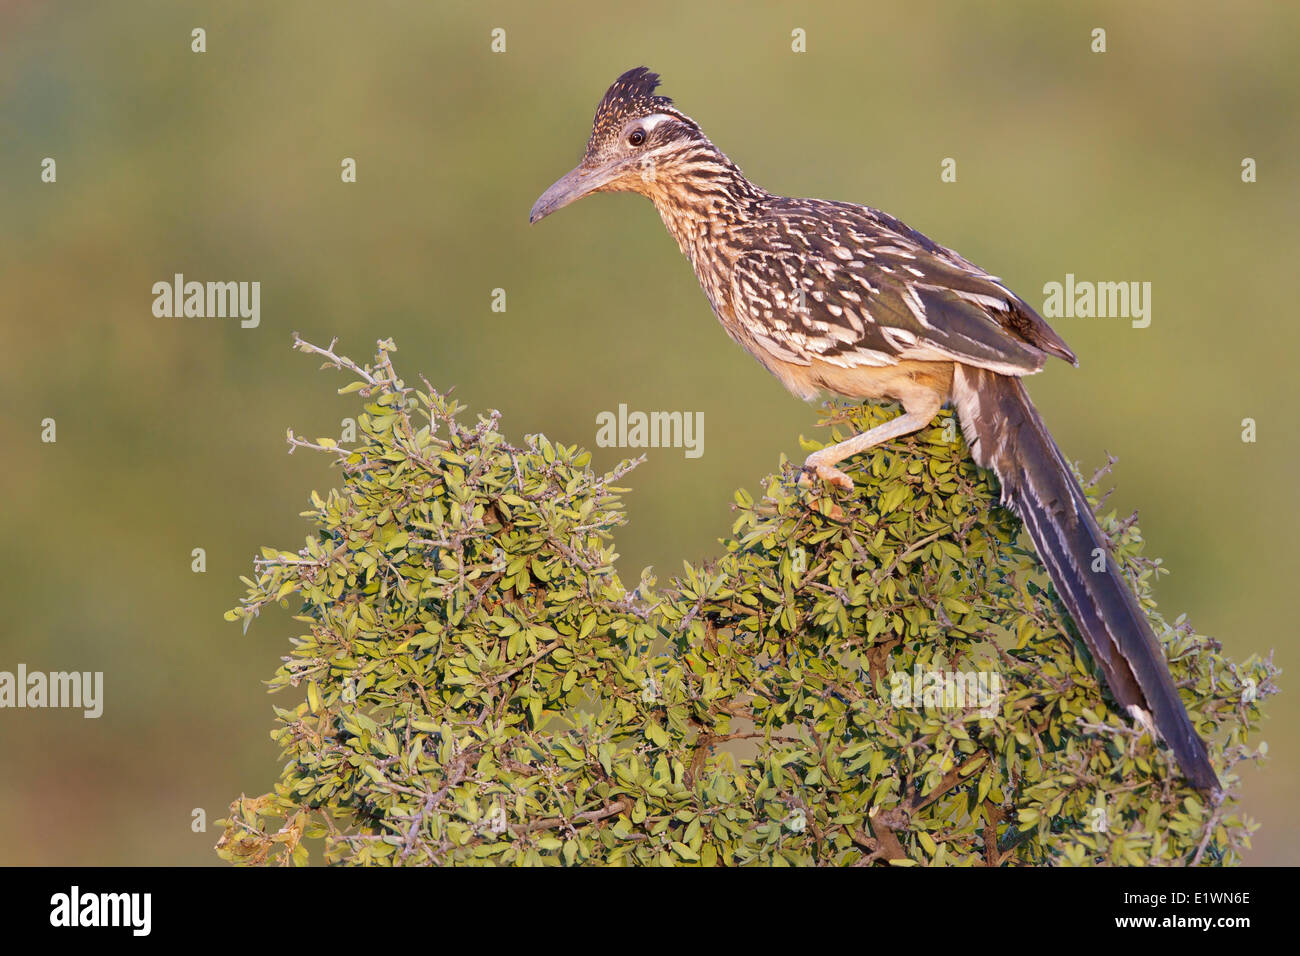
x,y
639,141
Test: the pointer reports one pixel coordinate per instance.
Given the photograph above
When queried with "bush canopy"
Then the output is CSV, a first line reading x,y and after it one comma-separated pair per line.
x,y
881,676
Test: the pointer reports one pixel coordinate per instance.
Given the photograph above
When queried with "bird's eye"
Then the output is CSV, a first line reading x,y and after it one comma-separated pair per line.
x,y
637,137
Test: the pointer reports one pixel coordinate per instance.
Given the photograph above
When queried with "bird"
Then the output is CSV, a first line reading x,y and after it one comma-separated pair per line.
x,y
843,298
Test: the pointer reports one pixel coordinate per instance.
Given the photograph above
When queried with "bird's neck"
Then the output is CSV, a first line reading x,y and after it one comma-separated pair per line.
x,y
703,201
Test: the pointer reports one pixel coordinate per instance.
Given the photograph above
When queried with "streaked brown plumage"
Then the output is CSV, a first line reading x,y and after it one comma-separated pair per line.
x,y
841,297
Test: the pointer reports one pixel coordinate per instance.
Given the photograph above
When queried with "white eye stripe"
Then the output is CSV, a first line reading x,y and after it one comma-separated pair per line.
x,y
654,119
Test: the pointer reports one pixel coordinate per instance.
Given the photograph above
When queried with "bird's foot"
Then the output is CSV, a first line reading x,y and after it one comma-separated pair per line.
x,y
814,470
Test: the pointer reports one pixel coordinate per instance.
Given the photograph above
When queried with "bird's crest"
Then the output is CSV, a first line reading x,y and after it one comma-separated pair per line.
x,y
632,94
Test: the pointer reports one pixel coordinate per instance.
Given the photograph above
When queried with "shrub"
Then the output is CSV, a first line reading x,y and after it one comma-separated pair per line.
x,y
478,686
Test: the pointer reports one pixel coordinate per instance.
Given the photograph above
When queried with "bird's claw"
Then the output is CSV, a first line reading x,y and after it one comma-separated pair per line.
x,y
813,470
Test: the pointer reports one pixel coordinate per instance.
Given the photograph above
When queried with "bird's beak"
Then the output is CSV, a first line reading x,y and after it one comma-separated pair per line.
x,y
573,186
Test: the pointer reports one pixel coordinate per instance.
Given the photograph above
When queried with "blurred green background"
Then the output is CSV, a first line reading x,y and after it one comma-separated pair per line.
x,y
1120,166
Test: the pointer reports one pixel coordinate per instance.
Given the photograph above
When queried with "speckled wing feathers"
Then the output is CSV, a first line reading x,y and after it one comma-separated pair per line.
x,y
875,293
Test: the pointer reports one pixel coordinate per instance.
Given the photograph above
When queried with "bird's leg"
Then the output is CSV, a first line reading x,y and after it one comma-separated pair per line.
x,y
821,464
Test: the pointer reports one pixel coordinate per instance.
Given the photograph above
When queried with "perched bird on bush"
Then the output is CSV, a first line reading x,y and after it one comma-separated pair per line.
x,y
841,297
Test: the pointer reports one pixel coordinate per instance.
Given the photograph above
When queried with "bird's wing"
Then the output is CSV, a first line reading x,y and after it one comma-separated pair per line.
x,y
851,287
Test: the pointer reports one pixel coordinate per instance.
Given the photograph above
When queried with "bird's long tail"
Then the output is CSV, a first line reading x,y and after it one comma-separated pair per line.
x,y
1007,436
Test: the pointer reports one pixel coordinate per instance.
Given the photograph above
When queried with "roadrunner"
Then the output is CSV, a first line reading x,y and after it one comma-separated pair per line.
x,y
836,296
